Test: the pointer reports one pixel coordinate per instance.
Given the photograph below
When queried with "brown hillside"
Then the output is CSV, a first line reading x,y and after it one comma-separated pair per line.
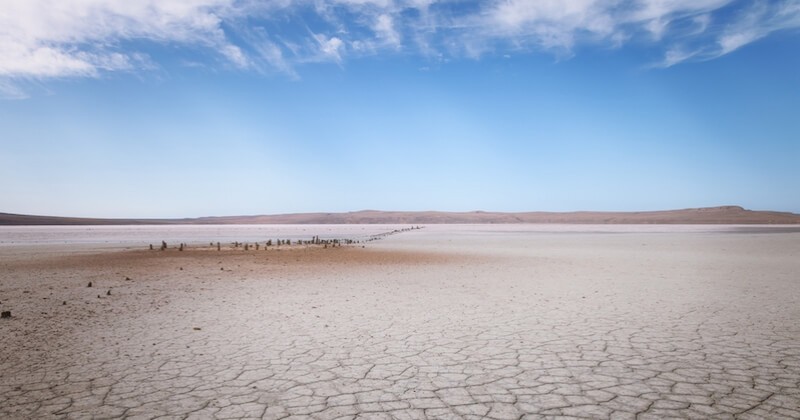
x,y
708,215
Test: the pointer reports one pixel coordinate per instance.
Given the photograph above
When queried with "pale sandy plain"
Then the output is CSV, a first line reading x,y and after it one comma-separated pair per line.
x,y
499,322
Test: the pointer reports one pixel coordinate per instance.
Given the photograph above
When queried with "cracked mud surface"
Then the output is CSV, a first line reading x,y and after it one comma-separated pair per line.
x,y
441,323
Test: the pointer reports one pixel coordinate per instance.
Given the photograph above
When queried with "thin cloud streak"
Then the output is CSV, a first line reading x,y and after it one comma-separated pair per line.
x,y
755,22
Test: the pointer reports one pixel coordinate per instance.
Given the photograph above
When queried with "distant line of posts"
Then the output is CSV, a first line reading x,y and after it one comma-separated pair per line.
x,y
315,240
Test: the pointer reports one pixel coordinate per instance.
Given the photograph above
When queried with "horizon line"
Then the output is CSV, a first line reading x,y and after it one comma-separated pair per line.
x,y
727,214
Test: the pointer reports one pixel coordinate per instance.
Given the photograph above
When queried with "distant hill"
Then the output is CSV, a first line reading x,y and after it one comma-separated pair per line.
x,y
708,215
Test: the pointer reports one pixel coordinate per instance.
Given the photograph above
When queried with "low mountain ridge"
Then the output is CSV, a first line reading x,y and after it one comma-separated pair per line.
x,y
704,215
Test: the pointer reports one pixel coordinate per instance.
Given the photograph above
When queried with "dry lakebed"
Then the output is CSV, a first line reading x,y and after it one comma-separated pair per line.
x,y
443,322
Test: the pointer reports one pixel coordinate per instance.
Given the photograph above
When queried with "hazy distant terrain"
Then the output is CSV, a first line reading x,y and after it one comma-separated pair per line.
x,y
708,215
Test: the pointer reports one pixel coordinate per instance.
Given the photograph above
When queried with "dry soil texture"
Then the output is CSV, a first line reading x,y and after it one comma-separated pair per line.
x,y
445,322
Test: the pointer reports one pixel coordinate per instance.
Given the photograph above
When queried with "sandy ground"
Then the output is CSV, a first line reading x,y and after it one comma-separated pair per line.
x,y
446,322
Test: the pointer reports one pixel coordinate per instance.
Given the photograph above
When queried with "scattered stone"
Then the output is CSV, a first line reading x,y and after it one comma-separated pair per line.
x,y
5,314
196,328
108,293
127,278
64,302
89,285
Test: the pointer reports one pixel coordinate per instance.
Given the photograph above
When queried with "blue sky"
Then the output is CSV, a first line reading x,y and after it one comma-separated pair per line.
x,y
180,108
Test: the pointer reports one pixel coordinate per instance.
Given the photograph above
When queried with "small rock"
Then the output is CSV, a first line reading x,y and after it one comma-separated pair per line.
x,y
89,285
108,293
127,278
5,314
64,302
196,328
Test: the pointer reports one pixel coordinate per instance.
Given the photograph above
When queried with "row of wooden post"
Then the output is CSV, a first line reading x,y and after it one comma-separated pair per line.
x,y
315,240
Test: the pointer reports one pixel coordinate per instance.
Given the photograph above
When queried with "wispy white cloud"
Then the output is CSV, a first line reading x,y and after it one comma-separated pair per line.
x,y
551,23
235,55
45,39
377,3
329,48
272,54
757,22
674,56
384,28
656,16
701,23
40,38
10,90
752,23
